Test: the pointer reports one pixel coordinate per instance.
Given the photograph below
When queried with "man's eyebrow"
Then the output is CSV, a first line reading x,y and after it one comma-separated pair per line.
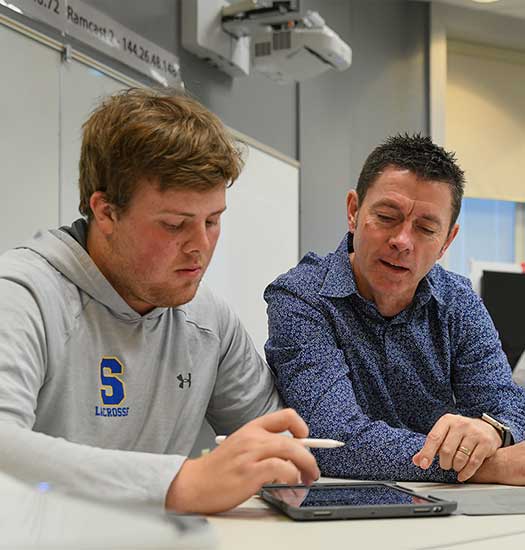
x,y
388,203
191,214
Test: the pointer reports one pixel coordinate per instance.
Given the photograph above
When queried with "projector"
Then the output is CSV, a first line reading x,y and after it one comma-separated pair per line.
x,y
301,52
272,37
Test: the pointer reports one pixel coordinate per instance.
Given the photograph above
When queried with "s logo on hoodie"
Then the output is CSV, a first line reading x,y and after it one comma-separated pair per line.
x,y
112,388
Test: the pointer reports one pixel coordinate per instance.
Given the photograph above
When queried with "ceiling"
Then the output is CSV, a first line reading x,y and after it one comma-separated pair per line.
x,y
512,8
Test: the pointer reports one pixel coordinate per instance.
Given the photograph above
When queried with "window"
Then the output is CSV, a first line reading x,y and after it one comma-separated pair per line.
x,y
487,232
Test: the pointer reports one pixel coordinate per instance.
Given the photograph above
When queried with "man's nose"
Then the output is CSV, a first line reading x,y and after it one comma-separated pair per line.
x,y
402,238
198,240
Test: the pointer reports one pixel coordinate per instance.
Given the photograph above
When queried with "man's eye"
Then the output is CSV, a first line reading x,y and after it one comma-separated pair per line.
x,y
171,227
427,231
384,218
211,223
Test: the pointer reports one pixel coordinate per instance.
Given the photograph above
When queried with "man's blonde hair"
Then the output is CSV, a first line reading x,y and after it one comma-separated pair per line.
x,y
164,136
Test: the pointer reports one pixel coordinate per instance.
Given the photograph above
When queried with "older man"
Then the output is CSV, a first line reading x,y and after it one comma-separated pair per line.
x,y
378,346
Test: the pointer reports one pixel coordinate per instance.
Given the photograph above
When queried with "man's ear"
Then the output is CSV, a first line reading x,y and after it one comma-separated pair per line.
x,y
451,236
104,213
352,206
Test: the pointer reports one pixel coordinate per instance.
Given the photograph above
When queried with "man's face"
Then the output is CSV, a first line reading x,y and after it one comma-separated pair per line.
x,y
400,231
159,248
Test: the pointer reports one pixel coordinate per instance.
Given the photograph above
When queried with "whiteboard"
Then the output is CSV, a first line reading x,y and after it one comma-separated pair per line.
x,y
40,131
259,240
29,137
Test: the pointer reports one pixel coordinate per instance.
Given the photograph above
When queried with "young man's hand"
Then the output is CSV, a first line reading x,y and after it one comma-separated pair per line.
x,y
254,455
462,443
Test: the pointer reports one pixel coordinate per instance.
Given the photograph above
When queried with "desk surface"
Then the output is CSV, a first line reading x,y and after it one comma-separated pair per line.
x,y
38,518
256,526
32,519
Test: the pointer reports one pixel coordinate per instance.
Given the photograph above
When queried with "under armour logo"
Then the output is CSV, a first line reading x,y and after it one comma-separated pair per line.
x,y
183,381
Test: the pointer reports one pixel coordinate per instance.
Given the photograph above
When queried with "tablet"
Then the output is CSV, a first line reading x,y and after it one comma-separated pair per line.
x,y
353,501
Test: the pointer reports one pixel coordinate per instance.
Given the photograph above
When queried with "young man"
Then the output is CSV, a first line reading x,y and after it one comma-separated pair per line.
x,y
378,346
111,355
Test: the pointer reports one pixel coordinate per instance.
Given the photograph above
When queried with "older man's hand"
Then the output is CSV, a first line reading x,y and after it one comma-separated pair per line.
x,y
507,467
462,443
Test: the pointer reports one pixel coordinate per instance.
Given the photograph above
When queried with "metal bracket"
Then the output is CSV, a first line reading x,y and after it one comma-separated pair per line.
x,y
67,53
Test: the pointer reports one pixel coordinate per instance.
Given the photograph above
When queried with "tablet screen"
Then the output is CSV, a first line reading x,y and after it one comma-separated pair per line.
x,y
344,496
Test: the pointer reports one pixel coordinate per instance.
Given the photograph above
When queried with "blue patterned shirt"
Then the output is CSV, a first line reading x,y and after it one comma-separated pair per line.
x,y
378,383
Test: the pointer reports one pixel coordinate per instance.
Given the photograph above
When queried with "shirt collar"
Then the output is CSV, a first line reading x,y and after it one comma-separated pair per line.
x,y
434,287
340,281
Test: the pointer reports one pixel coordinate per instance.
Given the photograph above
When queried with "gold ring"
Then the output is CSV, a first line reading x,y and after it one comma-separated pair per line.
x,y
464,450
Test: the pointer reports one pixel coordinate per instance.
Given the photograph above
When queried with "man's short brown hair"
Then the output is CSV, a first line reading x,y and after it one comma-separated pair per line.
x,y
164,136
417,153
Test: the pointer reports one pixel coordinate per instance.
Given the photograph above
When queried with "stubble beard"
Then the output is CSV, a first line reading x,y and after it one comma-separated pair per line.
x,y
136,287
166,297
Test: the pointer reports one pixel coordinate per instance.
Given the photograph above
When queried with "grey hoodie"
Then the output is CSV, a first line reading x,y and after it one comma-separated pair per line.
x,y
99,400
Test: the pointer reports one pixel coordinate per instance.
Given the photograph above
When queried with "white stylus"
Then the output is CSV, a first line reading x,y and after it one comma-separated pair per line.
x,y
306,441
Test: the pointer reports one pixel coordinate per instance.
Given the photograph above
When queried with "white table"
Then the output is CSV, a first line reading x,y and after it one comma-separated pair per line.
x,y
41,519
256,526
31,519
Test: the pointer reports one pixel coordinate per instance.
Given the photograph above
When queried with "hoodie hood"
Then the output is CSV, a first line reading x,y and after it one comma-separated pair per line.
x,y
65,250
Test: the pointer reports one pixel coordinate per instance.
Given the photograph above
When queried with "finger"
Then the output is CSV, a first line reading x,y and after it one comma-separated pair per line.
x,y
416,459
298,480
475,461
270,469
432,443
449,448
479,452
463,454
285,448
280,421
284,482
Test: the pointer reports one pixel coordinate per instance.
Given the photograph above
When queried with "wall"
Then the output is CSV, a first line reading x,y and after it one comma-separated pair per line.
x,y
472,25
487,29
468,25
329,123
344,116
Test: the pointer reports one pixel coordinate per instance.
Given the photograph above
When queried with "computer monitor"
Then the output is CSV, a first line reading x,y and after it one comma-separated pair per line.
x,y
504,296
